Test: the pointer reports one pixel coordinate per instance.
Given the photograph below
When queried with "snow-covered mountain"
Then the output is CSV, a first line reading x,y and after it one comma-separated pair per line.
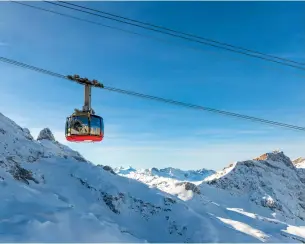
x,y
169,172
50,193
270,180
267,192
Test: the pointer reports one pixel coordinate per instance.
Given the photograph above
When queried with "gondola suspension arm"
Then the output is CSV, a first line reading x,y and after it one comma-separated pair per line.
x,y
88,84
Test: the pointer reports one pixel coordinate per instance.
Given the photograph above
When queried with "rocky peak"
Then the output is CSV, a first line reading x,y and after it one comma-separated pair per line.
x,y
276,156
46,134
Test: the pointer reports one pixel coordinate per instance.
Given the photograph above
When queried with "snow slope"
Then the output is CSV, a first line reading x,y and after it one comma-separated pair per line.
x,y
50,193
264,197
170,180
168,185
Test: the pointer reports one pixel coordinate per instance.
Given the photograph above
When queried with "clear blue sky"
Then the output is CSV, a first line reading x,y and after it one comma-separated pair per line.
x,y
145,133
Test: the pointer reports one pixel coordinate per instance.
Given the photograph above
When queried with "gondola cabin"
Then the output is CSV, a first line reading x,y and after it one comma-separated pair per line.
x,y
84,128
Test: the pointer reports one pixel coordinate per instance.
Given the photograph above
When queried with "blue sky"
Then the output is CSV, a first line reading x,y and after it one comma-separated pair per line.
x,y
145,133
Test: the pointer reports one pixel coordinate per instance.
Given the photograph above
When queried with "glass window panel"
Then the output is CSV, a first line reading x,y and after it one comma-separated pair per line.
x,y
102,127
79,125
67,128
95,126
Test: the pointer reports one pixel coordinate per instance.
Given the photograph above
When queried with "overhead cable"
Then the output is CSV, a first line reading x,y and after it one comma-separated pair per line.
x,y
184,37
115,28
182,33
160,99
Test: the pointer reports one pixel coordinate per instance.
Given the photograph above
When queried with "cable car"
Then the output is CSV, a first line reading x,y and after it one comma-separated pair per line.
x,y
83,125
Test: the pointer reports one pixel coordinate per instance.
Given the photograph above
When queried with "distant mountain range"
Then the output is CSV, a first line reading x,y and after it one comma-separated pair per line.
x,y
169,172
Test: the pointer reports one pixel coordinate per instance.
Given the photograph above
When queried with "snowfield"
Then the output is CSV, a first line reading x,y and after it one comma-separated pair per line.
x,y
50,193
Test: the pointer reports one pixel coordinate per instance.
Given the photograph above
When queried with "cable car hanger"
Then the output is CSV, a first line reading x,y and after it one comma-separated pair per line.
x,y
83,125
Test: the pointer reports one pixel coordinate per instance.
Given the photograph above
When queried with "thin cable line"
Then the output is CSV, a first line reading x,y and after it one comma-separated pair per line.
x,y
183,33
182,104
186,38
127,31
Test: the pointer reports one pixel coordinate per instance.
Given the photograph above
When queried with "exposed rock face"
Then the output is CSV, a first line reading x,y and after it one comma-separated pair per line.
x,y
276,156
46,134
108,168
22,174
189,187
28,134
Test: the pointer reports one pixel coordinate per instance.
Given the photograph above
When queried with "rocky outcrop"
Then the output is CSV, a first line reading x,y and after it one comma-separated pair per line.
x,y
189,187
46,134
108,168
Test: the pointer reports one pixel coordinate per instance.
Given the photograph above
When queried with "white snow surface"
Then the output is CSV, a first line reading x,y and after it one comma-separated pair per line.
x,y
50,193
299,162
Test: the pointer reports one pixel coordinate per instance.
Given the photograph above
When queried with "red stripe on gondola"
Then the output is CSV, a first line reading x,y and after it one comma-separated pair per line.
x,y
84,138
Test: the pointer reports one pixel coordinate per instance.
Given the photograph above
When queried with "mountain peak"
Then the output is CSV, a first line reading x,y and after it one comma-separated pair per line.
x,y
274,156
46,134
277,156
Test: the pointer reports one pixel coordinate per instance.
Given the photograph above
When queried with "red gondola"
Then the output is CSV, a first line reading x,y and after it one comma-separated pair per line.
x,y
84,125
84,128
